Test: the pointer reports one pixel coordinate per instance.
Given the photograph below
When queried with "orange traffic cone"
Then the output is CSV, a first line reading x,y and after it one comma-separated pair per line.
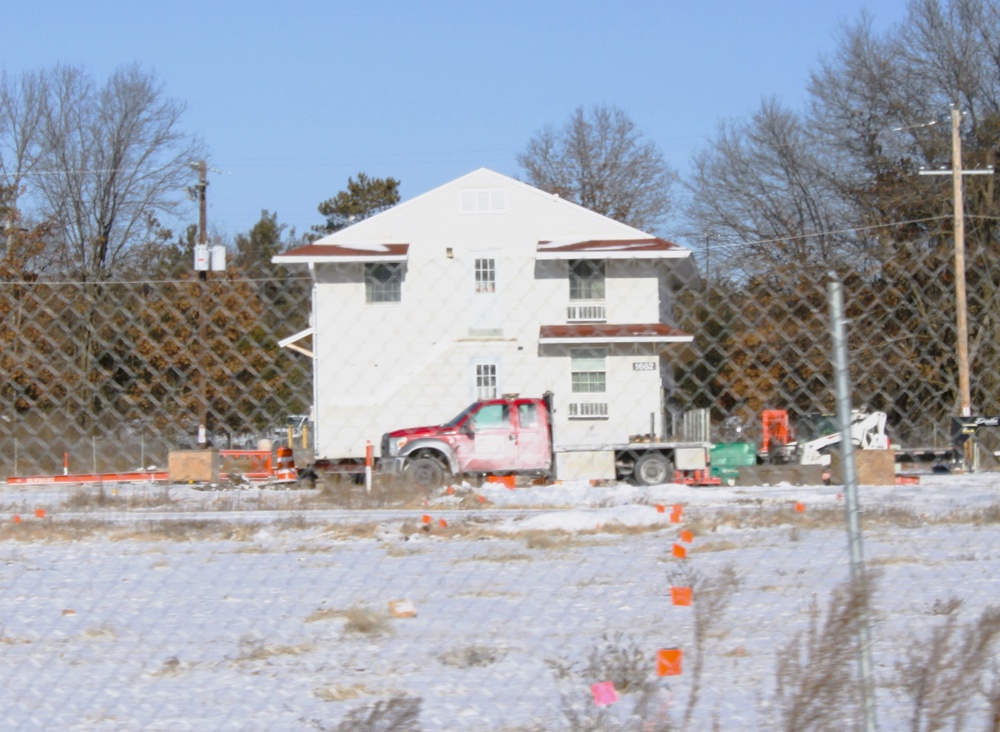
x,y
285,472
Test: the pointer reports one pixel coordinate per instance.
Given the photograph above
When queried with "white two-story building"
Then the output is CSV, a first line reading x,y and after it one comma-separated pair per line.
x,y
482,287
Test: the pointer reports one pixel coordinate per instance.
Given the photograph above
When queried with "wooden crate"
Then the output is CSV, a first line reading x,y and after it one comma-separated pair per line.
x,y
193,466
875,467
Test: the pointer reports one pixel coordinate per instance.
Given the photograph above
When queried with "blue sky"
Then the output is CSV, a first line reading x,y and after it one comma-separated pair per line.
x,y
292,98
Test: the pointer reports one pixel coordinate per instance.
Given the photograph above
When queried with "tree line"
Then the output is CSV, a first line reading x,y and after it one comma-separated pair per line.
x,y
774,204
782,199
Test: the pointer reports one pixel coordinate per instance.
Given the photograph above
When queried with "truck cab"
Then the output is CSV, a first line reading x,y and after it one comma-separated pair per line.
x,y
509,435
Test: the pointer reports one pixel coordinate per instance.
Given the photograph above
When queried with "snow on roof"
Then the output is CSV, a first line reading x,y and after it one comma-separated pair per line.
x,y
353,252
651,248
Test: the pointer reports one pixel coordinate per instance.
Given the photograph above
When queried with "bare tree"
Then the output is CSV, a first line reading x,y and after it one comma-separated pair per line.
x,y
601,161
763,186
789,195
880,107
22,105
114,157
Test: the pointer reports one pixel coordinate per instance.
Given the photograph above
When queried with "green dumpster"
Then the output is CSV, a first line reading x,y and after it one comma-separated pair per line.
x,y
726,458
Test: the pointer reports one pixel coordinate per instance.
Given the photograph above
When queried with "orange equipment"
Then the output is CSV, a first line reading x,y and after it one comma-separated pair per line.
x,y
776,431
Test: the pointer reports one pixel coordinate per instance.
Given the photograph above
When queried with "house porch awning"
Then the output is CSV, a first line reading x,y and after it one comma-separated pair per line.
x,y
292,341
608,333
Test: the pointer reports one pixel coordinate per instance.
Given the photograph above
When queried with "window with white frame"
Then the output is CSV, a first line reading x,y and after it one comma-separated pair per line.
x,y
486,275
486,381
588,369
383,282
586,279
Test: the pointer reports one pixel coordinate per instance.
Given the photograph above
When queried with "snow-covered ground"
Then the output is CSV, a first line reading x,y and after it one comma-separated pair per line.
x,y
243,612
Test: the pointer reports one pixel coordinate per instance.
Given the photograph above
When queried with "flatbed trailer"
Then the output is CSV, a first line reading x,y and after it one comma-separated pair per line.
x,y
929,459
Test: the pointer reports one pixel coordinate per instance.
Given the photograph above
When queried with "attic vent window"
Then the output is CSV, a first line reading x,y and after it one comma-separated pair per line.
x,y
484,200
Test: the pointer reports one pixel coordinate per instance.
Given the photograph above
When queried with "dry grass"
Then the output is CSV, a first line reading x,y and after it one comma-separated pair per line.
x,y
403,550
765,517
173,529
832,517
172,666
628,665
711,596
885,560
324,613
945,607
816,685
341,491
940,675
550,540
399,713
101,632
474,656
351,531
361,619
85,498
338,693
488,593
718,545
365,620
500,557
252,648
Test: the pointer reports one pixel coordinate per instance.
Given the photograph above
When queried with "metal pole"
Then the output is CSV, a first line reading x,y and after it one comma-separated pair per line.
x,y
368,466
842,383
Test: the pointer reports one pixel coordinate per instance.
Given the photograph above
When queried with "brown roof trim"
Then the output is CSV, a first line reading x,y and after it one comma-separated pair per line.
x,y
651,248
612,333
344,253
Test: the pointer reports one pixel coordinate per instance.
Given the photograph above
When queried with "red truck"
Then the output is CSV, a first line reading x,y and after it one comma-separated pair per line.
x,y
513,436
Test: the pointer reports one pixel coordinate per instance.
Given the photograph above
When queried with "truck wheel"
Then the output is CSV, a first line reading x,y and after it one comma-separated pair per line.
x,y
652,468
424,472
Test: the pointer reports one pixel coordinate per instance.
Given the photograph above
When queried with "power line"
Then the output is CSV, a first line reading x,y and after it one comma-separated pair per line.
x,y
848,230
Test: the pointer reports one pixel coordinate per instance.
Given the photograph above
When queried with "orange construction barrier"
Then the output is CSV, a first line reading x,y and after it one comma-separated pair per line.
x,y
253,465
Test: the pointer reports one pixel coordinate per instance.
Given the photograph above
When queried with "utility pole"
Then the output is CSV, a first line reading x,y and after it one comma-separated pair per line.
x,y
205,258
708,258
203,277
961,302
202,208
962,314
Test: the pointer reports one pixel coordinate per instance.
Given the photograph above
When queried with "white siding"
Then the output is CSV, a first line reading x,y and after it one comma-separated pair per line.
x,y
383,366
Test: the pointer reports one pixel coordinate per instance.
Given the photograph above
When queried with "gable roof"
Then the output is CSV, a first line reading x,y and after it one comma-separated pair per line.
x,y
366,241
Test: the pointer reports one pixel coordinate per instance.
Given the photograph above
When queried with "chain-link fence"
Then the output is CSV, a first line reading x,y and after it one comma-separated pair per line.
x,y
167,608
116,374
111,376
157,606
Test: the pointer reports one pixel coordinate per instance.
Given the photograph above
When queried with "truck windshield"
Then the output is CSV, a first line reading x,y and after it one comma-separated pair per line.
x,y
454,422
